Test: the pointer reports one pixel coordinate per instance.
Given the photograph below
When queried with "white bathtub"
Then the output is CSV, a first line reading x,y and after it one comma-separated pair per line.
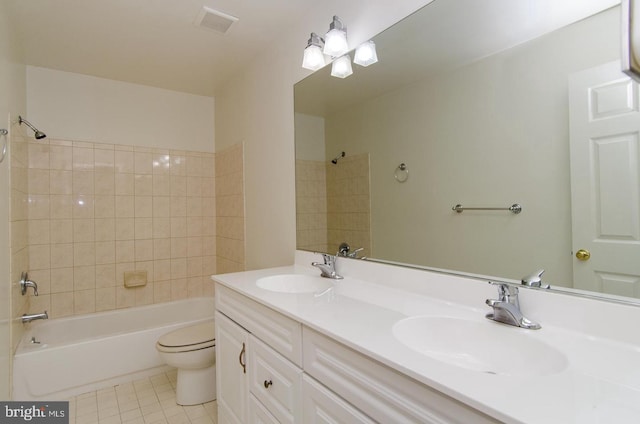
x,y
88,352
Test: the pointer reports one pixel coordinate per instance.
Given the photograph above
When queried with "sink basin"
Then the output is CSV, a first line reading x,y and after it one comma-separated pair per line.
x,y
485,347
294,283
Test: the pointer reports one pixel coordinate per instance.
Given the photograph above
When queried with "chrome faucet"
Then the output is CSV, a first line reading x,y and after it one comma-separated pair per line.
x,y
506,309
328,268
345,250
25,283
535,280
32,317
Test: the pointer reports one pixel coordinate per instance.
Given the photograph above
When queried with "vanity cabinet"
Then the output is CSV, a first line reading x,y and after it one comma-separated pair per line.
x,y
256,347
272,369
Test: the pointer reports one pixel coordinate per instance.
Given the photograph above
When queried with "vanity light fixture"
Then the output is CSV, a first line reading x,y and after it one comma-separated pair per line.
x,y
313,56
335,43
366,54
341,67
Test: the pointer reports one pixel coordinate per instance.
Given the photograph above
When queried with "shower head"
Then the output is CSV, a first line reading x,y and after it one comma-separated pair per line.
x,y
335,160
39,135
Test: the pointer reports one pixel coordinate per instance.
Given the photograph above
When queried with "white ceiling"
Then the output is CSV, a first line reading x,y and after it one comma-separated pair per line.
x,y
150,42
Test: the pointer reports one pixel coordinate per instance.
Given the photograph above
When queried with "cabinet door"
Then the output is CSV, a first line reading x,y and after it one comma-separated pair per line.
x,y
231,376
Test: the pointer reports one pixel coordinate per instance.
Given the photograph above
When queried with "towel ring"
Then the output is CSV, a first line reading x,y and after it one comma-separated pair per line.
x,y
401,173
3,134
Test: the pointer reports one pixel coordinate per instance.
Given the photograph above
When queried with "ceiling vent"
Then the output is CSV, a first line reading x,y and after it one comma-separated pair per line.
x,y
214,20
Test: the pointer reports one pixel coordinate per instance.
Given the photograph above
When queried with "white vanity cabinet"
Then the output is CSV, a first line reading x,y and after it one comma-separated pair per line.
x,y
272,369
259,353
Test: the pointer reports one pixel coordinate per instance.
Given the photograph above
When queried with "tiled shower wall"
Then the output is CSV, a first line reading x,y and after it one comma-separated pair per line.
x,y
311,205
349,204
230,209
98,210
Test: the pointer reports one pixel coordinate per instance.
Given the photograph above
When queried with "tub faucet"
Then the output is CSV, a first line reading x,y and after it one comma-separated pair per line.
x,y
535,280
32,317
328,268
506,309
25,283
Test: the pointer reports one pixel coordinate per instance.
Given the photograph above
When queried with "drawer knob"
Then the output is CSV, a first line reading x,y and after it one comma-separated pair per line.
x,y
267,383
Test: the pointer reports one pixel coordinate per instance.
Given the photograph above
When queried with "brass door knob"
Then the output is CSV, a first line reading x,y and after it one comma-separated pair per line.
x,y
583,255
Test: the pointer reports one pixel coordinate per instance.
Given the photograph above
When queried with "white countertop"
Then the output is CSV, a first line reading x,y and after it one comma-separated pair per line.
x,y
600,384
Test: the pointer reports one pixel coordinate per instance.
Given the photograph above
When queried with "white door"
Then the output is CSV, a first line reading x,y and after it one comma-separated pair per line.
x,y
231,377
605,180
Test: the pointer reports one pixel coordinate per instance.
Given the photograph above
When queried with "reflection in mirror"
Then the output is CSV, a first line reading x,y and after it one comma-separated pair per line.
x,y
488,103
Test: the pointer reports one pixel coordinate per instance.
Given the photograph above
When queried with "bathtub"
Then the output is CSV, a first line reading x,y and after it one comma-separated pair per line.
x,y
89,352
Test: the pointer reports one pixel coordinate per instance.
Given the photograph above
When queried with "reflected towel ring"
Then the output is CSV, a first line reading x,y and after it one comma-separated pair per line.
x,y
401,173
3,134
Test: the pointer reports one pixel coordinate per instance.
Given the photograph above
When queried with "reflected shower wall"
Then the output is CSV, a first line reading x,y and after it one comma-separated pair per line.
x,y
349,204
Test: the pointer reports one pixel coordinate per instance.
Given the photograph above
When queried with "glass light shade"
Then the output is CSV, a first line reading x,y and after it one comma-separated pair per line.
x,y
366,54
341,67
313,58
335,43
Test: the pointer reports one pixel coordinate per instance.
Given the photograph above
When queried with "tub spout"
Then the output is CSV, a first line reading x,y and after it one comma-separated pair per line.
x,y
32,317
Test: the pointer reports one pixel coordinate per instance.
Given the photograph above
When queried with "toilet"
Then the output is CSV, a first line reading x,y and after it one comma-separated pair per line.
x,y
192,351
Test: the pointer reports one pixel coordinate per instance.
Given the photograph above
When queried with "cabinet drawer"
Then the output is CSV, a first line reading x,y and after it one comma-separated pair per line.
x,y
321,406
258,414
281,333
274,381
386,395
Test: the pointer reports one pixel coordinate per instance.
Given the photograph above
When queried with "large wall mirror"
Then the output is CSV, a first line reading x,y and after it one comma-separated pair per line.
x,y
485,104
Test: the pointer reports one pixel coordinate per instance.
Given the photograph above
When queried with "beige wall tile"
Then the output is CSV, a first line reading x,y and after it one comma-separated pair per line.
x,y
84,277
83,206
143,185
62,280
62,255
124,184
162,248
61,157
105,299
161,291
61,305
123,161
104,159
60,182
143,228
105,229
104,207
84,302
83,158
106,276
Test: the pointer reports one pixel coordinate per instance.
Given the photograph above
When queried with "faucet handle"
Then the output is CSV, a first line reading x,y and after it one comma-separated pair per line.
x,y
535,280
506,293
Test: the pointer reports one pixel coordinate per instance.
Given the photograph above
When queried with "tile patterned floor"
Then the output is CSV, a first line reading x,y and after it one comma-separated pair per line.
x,y
147,401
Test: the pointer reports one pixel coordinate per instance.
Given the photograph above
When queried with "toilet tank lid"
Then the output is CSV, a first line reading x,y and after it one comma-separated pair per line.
x,y
188,336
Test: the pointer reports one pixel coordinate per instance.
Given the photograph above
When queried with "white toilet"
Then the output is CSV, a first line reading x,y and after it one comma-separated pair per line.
x,y
192,351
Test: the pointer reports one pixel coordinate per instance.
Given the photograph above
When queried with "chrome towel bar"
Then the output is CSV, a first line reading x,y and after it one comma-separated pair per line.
x,y
515,208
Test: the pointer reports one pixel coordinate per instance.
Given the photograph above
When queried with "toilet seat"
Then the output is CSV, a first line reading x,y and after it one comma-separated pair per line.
x,y
187,339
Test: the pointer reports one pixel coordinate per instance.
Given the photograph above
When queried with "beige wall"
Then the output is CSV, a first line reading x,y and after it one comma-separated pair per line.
x,y
458,134
12,102
72,106
256,109
97,211
311,205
